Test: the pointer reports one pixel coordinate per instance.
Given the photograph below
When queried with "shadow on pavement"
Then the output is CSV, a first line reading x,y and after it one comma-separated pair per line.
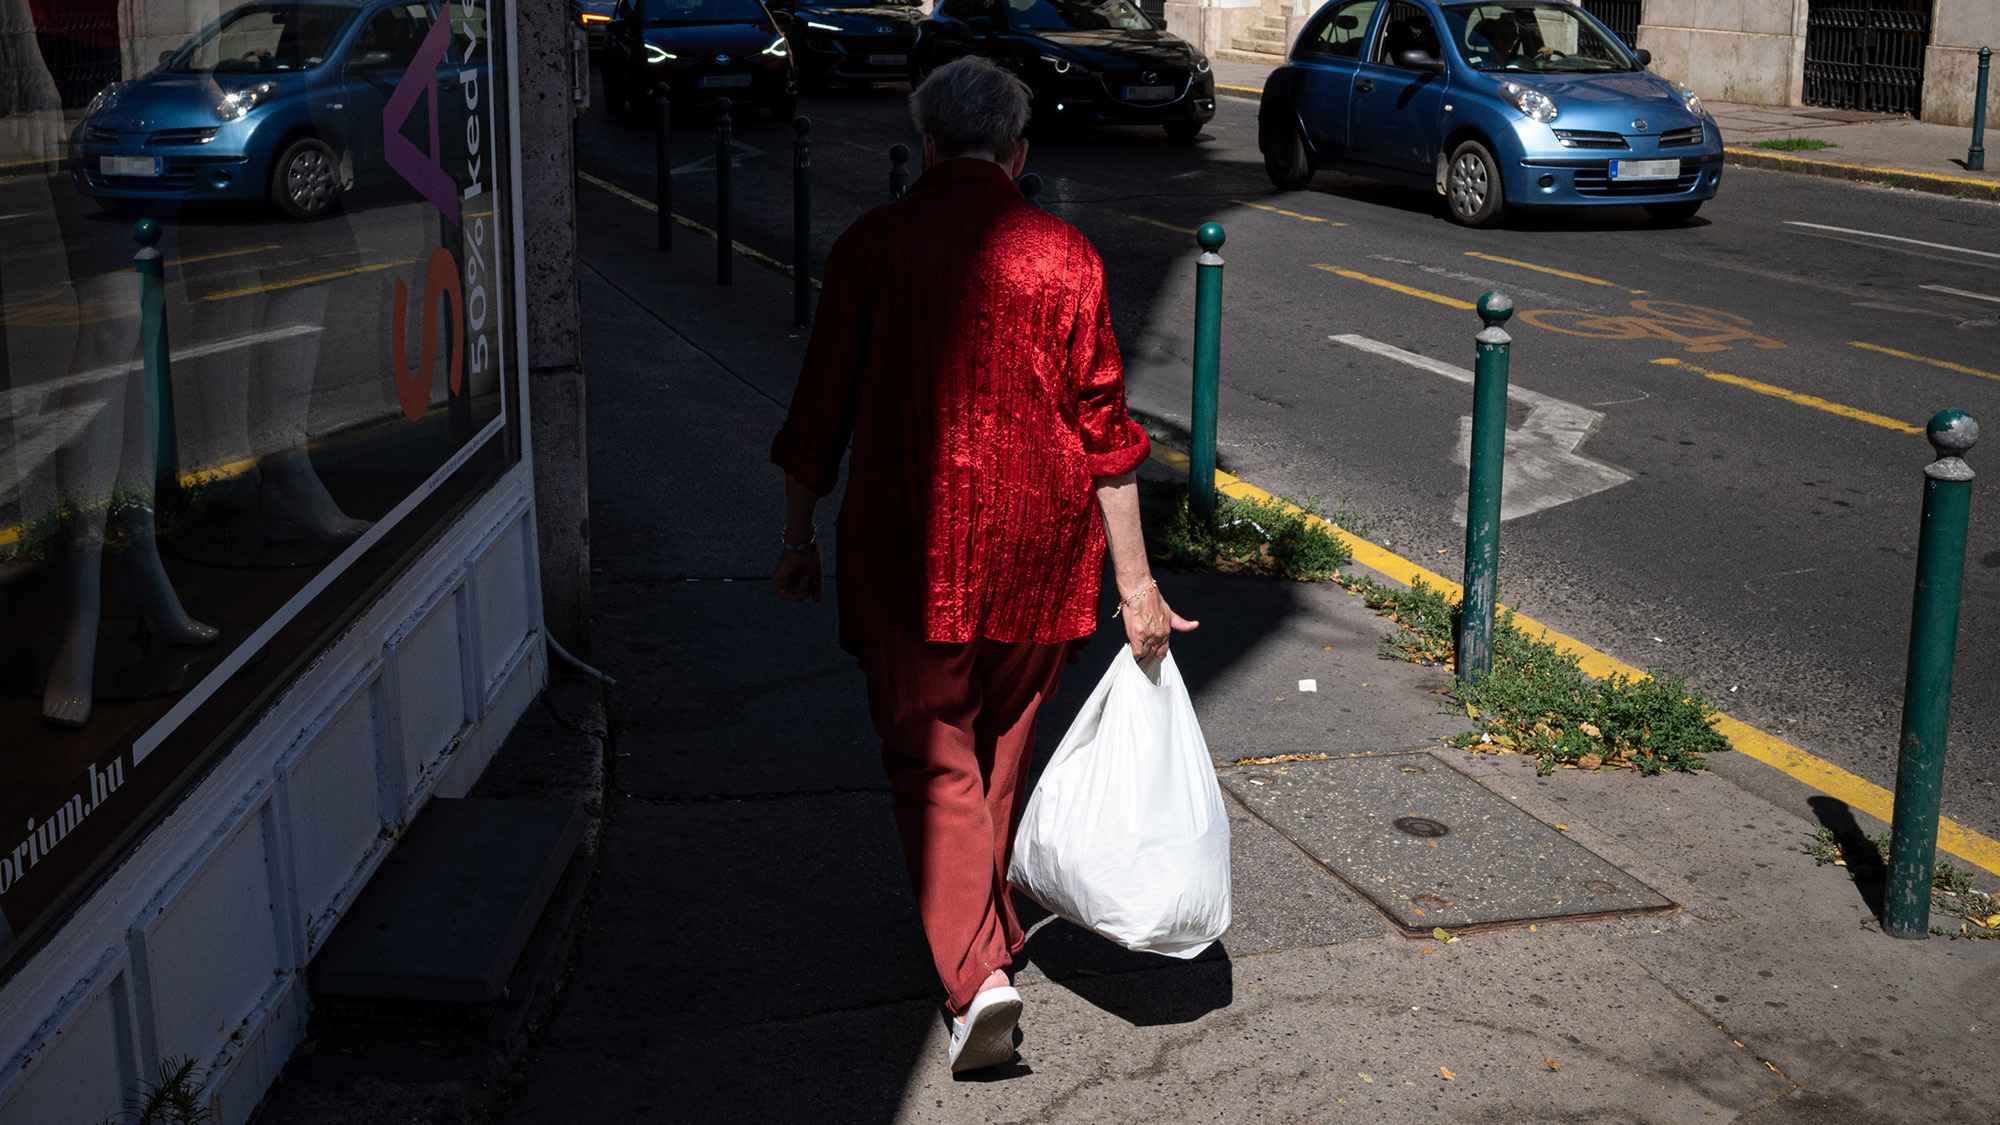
x,y
1864,862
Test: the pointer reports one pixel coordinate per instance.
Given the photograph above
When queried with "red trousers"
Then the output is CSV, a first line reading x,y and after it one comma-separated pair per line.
x,y
958,727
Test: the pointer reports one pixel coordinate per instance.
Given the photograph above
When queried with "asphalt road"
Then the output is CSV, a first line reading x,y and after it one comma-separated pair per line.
x,y
1759,539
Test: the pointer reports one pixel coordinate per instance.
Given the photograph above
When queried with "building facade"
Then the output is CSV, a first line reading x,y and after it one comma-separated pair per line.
x,y
268,505
1918,57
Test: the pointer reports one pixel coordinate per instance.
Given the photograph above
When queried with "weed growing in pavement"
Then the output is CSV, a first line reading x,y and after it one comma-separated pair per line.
x,y
1794,144
1977,912
1250,536
176,1099
1536,701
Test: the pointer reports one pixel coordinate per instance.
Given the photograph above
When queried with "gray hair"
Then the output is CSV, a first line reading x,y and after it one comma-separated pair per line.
x,y
971,105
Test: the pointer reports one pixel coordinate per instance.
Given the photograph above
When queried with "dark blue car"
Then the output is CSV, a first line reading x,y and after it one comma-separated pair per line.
x,y
1496,104
277,100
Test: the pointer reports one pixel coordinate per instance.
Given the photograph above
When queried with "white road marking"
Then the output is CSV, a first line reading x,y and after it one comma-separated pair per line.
x,y
1544,467
1894,238
707,163
1961,293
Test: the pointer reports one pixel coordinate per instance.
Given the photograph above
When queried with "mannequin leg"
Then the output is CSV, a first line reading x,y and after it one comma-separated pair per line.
x,y
292,490
66,699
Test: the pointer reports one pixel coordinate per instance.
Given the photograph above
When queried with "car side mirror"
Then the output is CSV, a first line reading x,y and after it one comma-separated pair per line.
x,y
980,25
1644,56
1419,60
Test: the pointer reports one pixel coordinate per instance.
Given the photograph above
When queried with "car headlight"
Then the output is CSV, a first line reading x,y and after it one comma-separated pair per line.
x,y
1530,101
98,100
778,47
238,103
823,26
658,54
1201,64
1691,100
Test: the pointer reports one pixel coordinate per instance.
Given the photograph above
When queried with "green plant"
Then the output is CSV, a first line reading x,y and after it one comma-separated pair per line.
x,y
174,1100
1977,912
1250,536
1536,700
1794,144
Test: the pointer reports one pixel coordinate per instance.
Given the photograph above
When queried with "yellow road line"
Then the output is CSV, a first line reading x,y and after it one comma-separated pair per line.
x,y
1549,270
1161,225
1818,773
1242,89
1814,401
1946,364
1767,154
1410,290
237,253
746,251
274,286
1287,214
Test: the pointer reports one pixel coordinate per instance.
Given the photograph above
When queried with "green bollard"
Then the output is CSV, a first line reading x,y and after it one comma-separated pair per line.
x,y
899,170
802,316
1927,683
1030,187
152,270
1207,372
1975,157
1482,505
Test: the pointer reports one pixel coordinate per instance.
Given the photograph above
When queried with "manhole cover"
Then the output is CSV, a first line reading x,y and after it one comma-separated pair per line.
x,y
1421,826
1475,860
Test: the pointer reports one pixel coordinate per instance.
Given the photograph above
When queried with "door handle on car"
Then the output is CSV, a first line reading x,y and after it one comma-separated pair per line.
x,y
1365,85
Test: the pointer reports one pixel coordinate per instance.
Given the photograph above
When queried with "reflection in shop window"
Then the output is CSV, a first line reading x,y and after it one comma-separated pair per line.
x,y
252,359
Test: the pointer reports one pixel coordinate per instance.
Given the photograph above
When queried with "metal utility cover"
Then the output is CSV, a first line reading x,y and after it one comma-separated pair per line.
x,y
1431,847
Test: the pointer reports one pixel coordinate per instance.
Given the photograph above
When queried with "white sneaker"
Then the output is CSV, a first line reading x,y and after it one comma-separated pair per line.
x,y
986,1036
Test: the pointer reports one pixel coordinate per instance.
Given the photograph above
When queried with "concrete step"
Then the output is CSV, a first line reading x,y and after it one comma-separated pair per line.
x,y
1275,36
1277,22
1253,50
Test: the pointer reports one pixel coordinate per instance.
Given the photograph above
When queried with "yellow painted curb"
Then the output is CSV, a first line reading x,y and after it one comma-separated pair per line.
x,y
1818,773
1934,182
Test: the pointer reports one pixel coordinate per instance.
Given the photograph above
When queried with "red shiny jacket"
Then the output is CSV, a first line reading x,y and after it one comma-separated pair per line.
x,y
964,344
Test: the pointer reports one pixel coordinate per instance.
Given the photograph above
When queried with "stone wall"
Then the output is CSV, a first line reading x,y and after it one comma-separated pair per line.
x,y
1729,50
1951,65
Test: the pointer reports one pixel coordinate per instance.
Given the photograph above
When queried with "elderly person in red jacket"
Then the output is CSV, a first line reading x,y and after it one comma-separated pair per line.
x,y
964,347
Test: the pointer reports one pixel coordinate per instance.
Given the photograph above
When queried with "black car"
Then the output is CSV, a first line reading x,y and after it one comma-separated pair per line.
x,y
1088,63
850,40
593,16
703,50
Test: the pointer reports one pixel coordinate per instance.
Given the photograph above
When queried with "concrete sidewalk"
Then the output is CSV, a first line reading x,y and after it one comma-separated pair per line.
x,y
753,951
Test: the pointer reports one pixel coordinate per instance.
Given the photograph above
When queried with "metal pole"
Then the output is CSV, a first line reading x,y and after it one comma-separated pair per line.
x,y
1030,187
725,176
1482,507
663,169
1207,372
1975,157
802,315
1927,683
152,269
899,170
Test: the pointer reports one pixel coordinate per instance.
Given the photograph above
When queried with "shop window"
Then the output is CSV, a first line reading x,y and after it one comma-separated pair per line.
x,y
207,470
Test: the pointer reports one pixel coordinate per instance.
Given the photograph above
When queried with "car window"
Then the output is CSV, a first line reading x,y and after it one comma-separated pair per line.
x,y
391,39
264,38
665,13
1534,37
962,10
1405,27
1343,31
1076,15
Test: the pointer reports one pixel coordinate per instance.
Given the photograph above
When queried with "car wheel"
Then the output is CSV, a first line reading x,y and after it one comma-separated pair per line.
x,y
1672,214
305,179
1473,192
1183,130
1285,159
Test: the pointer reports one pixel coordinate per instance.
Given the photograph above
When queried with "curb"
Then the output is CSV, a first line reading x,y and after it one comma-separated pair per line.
x,y
1935,183
1980,851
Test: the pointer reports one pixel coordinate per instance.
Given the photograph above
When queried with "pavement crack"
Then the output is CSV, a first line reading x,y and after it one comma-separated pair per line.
x,y
684,337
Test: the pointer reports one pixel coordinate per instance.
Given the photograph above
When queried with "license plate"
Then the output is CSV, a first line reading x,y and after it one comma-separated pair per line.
x,y
888,60
1622,170
129,165
715,80
1148,93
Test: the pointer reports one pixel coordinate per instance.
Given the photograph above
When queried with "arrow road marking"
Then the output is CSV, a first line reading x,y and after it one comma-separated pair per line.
x,y
1544,467
738,153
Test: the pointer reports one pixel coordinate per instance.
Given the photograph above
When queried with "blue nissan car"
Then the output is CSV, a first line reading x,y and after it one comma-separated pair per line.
x,y
277,100
1525,103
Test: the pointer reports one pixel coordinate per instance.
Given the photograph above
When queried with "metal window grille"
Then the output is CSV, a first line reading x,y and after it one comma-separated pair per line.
x,y
79,45
1621,16
1867,54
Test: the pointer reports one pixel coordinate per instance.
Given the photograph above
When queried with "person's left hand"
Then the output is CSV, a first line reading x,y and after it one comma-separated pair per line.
x,y
1150,623
797,575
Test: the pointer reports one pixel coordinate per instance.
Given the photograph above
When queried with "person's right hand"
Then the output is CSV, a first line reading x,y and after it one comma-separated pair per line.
x,y
1150,624
797,575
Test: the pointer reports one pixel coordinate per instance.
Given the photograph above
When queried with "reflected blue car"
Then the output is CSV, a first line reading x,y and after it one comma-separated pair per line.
x,y
1494,105
278,100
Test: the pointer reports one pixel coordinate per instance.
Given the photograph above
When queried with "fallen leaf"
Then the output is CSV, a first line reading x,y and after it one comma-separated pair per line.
x,y
1443,935
1562,827
1446,1074
1993,921
1368,1080
1534,929
1589,762
1553,1064
1471,712
1590,729
1427,951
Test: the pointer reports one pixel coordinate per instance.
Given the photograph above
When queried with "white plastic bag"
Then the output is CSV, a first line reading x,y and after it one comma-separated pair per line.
x,y
1126,834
